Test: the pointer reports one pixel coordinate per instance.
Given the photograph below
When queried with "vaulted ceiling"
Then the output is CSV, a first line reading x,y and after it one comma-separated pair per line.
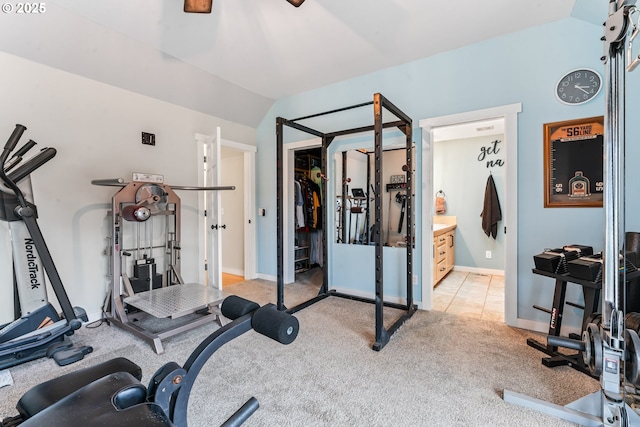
x,y
235,62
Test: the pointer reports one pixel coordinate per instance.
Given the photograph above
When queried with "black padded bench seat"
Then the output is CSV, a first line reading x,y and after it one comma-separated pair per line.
x,y
117,400
47,393
106,395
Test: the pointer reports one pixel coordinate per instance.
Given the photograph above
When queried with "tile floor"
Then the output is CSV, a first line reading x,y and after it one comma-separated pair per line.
x,y
480,296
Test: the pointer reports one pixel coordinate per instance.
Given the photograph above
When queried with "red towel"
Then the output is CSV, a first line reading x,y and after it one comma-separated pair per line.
x,y
441,206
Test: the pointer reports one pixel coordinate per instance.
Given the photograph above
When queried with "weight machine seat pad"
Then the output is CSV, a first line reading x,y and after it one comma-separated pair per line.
x,y
47,393
116,400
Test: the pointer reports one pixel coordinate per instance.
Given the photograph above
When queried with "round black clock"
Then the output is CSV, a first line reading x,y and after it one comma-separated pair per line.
x,y
578,86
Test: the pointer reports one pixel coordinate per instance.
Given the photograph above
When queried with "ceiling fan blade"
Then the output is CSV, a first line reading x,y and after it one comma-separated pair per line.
x,y
296,3
198,6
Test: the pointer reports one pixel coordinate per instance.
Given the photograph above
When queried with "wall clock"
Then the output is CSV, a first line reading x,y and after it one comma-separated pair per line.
x,y
578,86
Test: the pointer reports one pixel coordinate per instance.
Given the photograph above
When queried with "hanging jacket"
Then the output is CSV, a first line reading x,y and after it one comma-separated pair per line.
x,y
491,212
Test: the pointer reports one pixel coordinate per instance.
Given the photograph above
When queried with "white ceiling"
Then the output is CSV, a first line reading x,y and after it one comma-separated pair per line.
x,y
263,50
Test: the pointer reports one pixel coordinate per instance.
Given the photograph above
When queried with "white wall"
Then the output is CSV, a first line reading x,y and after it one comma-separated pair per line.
x,y
96,129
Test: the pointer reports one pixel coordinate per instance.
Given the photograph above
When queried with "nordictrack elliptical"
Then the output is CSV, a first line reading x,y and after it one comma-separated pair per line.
x,y
38,330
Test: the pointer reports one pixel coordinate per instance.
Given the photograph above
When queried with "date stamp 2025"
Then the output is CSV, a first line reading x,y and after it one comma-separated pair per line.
x,y
24,8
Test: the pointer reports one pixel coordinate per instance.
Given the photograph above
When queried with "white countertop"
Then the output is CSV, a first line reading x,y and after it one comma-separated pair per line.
x,y
442,228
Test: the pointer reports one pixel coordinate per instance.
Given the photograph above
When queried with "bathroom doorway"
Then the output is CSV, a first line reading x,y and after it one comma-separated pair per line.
x,y
507,117
465,157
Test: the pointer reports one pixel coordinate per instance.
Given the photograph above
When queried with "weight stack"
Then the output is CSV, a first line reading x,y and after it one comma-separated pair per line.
x,y
143,274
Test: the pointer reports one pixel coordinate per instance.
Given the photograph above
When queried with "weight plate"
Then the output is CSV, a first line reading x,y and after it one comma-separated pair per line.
x,y
593,357
588,345
595,318
632,359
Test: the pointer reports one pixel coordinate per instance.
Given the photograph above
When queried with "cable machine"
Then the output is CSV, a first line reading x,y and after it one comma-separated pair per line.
x,y
611,351
403,123
145,263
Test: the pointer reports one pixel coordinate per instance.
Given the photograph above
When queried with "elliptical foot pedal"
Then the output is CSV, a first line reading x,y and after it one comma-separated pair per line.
x,y
54,348
66,355
12,421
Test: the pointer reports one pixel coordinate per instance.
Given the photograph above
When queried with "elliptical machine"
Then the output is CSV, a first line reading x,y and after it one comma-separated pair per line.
x,y
38,330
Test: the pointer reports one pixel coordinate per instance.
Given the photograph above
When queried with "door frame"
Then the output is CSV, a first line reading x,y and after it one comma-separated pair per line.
x,y
509,113
249,160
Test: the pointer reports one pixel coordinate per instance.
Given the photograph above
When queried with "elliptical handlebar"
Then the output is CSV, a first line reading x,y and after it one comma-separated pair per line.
x,y
10,180
8,148
33,163
17,157
13,140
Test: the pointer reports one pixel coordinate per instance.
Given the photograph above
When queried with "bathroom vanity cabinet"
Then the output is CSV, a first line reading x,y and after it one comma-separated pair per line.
x,y
443,250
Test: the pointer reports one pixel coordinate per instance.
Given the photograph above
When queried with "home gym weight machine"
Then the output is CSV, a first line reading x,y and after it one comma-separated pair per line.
x,y
610,349
139,294
111,394
38,330
403,123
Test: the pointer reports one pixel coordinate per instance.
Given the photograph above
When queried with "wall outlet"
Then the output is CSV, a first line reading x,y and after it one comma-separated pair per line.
x,y
487,254
415,279
148,138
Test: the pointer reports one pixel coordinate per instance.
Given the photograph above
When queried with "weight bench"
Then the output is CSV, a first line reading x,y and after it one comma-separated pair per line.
x,y
111,394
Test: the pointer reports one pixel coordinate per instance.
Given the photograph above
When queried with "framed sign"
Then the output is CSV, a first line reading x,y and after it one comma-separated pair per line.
x,y
573,163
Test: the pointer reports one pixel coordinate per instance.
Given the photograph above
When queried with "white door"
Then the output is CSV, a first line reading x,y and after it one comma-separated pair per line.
x,y
214,212
210,206
210,240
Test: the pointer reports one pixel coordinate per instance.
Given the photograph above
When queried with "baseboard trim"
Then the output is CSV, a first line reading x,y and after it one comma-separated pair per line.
x,y
234,271
268,277
478,270
95,316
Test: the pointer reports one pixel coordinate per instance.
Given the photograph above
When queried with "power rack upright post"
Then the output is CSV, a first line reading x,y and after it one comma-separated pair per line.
x,y
404,124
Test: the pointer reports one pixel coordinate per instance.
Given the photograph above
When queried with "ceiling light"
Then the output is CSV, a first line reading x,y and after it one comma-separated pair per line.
x,y
296,3
198,6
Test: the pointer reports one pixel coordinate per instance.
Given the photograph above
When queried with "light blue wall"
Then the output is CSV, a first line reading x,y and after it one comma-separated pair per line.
x,y
519,68
461,172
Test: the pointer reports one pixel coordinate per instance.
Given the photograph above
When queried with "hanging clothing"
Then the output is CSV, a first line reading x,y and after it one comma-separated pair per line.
x,y
315,253
308,204
491,212
299,201
311,206
316,177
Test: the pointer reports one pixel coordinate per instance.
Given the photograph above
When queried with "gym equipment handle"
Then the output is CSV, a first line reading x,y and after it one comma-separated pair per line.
x,y
14,138
32,164
25,148
242,414
110,182
565,343
17,157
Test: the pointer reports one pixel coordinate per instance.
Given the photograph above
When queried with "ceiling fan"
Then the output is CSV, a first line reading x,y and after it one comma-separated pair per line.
x,y
204,6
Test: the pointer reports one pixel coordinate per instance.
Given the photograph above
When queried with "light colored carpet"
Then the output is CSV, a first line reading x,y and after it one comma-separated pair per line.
x,y
438,369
